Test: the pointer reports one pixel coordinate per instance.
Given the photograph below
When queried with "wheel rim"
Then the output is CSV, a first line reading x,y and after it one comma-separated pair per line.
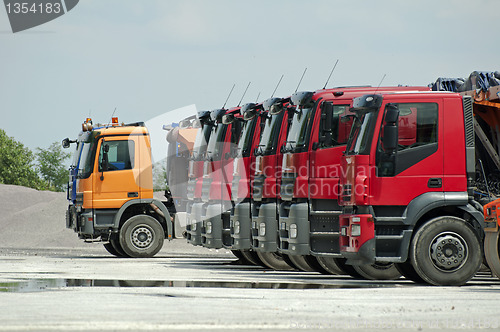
x,y
448,251
142,236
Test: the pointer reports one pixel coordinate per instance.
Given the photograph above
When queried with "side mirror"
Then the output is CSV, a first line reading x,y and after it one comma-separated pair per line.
x,y
65,143
327,116
390,139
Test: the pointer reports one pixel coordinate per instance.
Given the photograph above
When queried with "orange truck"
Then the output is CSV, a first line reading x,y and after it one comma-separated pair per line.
x,y
110,191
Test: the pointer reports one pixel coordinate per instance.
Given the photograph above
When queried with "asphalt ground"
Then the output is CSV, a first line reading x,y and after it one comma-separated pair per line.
x,y
89,290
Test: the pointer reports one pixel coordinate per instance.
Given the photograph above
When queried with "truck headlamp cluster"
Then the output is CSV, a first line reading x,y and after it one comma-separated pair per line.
x,y
293,231
355,230
236,227
262,229
209,227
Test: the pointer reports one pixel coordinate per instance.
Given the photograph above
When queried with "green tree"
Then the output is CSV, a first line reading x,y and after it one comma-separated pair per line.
x,y
159,176
51,166
17,164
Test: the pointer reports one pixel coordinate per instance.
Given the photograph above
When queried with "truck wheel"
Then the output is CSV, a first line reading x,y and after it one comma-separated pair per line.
x,y
109,248
407,271
349,269
113,251
446,251
274,261
252,257
300,262
314,263
492,251
378,271
330,265
141,236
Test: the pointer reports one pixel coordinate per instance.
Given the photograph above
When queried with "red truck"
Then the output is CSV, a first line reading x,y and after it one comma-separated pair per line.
x,y
195,174
254,118
309,210
218,177
412,201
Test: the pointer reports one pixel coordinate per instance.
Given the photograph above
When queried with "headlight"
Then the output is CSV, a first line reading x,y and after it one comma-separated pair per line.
x,y
262,229
283,226
193,225
209,227
293,231
355,230
236,227
356,219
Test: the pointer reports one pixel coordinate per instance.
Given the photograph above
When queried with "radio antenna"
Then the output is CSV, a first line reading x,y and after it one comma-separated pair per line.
x,y
301,79
244,93
328,80
257,100
383,77
277,85
229,95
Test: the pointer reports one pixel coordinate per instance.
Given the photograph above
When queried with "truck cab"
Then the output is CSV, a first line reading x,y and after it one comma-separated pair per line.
x,y
195,174
243,173
309,209
217,178
111,190
407,193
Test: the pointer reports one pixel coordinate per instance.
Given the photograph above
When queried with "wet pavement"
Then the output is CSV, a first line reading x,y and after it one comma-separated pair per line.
x,y
80,289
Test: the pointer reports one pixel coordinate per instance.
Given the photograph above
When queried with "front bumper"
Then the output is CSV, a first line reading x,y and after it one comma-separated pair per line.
x,y
194,224
240,223
211,231
294,228
265,227
357,238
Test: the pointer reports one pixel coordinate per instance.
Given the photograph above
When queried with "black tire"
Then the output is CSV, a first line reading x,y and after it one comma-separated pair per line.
x,y
301,263
492,252
330,265
141,236
446,251
252,258
118,247
349,269
109,247
407,271
289,261
274,261
314,263
378,271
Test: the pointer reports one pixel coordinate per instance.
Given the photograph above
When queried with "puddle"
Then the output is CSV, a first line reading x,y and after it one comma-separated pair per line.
x,y
40,285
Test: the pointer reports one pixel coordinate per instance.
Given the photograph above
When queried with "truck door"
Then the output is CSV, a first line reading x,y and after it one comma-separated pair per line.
x,y
117,172
415,165
334,128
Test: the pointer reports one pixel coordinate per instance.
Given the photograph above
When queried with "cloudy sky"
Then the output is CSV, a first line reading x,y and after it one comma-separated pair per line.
x,y
149,57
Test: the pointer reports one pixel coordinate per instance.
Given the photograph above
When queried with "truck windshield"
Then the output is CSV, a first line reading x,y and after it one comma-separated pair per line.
x,y
362,133
216,142
299,133
245,141
200,144
86,161
270,133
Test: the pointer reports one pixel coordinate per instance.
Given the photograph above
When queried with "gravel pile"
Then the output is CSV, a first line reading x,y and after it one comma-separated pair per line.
x,y
34,219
